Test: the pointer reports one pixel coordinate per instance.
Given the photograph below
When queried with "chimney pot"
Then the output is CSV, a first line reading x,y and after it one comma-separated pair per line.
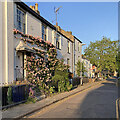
x,y
36,6
31,6
56,24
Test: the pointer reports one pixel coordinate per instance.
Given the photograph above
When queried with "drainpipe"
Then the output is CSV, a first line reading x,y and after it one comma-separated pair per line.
x,y
81,81
74,57
81,66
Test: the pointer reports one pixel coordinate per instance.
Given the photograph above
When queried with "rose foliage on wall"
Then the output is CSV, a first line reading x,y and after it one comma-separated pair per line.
x,y
41,65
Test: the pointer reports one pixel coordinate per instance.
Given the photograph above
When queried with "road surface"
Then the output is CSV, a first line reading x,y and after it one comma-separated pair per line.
x,y
96,102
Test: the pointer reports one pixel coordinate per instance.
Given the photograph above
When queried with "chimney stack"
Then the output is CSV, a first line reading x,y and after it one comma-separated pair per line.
x,y
35,8
70,32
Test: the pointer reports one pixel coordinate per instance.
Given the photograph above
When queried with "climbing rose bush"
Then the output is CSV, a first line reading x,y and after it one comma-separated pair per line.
x,y
41,65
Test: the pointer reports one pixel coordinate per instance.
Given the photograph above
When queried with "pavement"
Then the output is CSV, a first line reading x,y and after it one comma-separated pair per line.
x,y
98,101
22,110
118,100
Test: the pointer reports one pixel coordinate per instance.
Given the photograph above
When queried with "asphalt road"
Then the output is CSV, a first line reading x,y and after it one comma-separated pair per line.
x,y
96,102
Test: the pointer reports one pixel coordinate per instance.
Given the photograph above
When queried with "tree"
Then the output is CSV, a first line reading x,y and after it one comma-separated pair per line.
x,y
118,62
103,54
80,67
60,79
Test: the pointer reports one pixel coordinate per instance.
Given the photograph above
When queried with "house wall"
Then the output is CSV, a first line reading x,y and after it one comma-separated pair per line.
x,y
49,34
88,67
1,42
10,42
7,43
36,30
33,27
53,38
77,53
62,53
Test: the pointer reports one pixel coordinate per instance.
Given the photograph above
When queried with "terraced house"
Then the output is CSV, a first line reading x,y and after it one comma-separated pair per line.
x,y
28,21
88,67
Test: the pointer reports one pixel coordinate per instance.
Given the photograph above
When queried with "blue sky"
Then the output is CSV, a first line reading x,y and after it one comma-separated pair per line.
x,y
88,21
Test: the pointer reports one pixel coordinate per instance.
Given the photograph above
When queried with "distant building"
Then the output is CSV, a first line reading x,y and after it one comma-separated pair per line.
x,y
88,67
94,71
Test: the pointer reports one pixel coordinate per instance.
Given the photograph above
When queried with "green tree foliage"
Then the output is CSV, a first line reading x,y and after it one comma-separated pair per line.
x,y
83,69
80,67
9,95
103,54
60,79
118,62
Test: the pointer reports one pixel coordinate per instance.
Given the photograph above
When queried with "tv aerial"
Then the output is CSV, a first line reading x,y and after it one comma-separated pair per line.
x,y
56,11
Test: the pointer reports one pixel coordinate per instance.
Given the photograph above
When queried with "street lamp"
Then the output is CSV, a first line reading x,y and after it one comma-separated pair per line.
x,y
81,74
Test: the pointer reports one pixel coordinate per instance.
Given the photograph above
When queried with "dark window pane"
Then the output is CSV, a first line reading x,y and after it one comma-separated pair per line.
x,y
42,36
20,20
45,37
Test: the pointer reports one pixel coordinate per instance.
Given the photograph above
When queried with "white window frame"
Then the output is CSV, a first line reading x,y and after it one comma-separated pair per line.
x,y
68,61
44,32
20,19
68,46
58,41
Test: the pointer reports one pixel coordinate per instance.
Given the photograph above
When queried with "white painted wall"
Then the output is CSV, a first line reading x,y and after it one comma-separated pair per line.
x,y
1,45
49,34
53,38
10,42
33,26
4,48
63,52
7,43
88,67
78,54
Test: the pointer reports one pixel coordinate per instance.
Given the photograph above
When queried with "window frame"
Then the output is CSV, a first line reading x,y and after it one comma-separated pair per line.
x,y
68,61
44,31
78,46
68,46
20,19
58,41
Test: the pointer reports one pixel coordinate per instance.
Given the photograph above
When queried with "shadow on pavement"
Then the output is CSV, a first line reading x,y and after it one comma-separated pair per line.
x,y
100,102
97,102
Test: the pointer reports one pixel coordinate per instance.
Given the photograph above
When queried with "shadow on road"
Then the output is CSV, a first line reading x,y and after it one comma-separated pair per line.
x,y
100,102
97,102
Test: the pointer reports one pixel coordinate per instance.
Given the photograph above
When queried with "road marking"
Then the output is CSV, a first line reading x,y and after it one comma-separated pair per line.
x,y
61,101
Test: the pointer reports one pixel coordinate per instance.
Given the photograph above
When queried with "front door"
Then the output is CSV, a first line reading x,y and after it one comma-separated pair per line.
x,y
19,66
